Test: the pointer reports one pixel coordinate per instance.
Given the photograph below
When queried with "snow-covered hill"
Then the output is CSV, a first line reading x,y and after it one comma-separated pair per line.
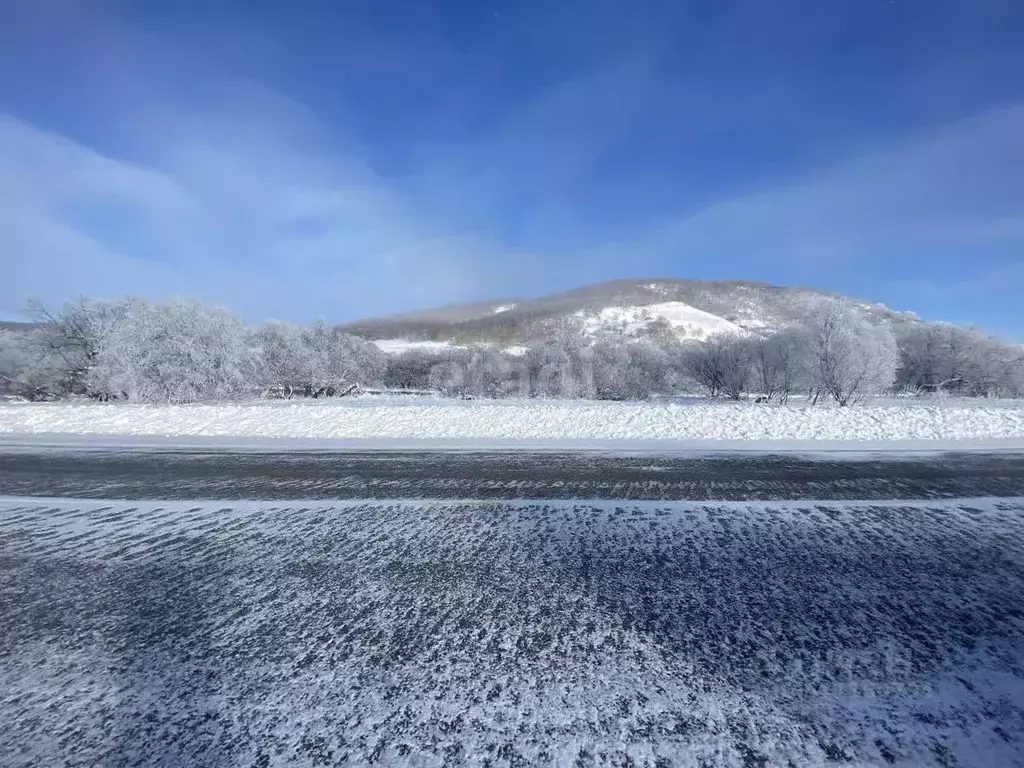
x,y
684,321
692,309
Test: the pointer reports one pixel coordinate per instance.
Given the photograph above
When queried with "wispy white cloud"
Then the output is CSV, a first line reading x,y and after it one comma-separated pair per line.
x,y
957,185
255,223
178,177
271,225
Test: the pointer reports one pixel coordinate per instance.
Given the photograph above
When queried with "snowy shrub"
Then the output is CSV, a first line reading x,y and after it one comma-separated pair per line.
x,y
65,343
849,357
282,358
314,360
449,379
561,368
629,370
411,369
611,369
481,371
779,363
339,359
488,373
29,368
721,365
177,352
940,357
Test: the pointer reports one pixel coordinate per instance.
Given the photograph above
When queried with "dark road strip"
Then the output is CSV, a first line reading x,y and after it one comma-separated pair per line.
x,y
421,475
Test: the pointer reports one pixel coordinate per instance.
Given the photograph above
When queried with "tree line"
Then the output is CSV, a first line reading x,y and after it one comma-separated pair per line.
x,y
185,351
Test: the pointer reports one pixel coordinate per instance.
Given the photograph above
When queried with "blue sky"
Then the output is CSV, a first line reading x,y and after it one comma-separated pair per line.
x,y
361,157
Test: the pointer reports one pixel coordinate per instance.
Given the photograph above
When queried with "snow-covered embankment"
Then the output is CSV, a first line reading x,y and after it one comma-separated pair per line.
x,y
527,422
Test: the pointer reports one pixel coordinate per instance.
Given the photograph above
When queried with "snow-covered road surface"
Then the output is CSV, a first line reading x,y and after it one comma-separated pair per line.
x,y
498,423
605,633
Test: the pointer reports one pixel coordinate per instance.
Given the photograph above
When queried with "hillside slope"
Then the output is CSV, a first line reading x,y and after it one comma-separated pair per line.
x,y
691,308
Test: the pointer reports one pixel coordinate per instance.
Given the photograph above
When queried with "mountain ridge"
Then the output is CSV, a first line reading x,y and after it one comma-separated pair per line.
x,y
690,308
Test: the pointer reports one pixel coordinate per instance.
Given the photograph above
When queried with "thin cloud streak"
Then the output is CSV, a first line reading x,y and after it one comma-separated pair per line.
x,y
959,184
221,223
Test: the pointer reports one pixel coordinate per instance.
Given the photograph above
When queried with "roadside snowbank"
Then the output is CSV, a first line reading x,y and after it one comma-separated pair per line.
x,y
497,422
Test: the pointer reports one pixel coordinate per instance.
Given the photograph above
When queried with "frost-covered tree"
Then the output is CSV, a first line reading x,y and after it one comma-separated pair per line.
x,y
315,360
12,361
936,357
736,358
328,368
488,373
284,360
66,341
994,369
366,362
626,369
449,378
850,358
342,360
560,363
1015,371
699,366
28,368
721,365
651,368
941,357
611,360
779,363
174,352
411,369
660,332
560,369
480,371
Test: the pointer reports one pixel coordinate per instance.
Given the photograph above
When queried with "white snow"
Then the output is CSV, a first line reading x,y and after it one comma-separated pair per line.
x,y
688,322
508,422
503,308
398,346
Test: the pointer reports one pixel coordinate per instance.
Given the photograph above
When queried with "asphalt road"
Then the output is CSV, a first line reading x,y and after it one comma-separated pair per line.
x,y
508,475
382,630
512,633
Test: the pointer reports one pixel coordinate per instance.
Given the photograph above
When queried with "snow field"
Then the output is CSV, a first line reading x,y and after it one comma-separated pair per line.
x,y
399,346
688,322
495,422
